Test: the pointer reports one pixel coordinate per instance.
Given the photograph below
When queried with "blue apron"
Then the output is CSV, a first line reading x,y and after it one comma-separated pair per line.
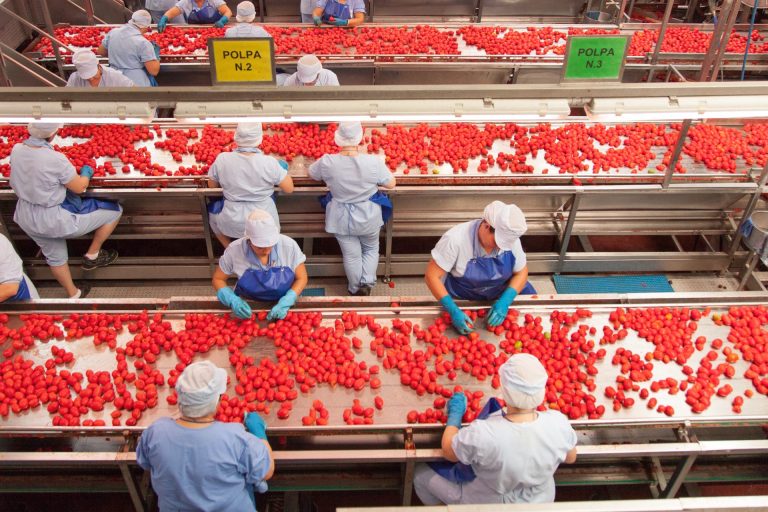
x,y
486,277
205,15
379,198
22,293
337,10
267,284
458,472
73,203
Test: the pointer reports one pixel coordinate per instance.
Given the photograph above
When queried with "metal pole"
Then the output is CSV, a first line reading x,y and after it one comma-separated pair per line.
x,y
94,17
31,25
676,153
732,16
691,11
207,231
719,41
479,10
712,50
748,212
388,229
261,10
568,230
4,82
660,40
751,264
89,11
49,26
620,14
678,477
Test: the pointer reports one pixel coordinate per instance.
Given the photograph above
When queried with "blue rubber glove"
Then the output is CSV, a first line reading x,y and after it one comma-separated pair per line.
x,y
162,23
317,21
460,320
239,307
86,171
283,305
156,47
501,307
283,164
456,408
222,21
255,425
340,23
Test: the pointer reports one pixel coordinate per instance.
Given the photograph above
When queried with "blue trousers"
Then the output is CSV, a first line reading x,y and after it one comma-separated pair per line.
x,y
361,258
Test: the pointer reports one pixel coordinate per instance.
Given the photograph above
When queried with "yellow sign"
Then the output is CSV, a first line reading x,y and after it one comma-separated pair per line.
x,y
241,60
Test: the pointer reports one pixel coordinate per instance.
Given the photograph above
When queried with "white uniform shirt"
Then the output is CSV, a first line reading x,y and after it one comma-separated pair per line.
x,y
187,6
326,78
515,461
128,51
11,270
455,248
246,30
159,5
109,78
307,6
239,257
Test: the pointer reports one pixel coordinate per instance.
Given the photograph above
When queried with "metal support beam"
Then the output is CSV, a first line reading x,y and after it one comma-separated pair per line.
x,y
568,230
207,231
660,40
4,80
54,42
733,14
761,181
30,67
678,477
388,235
89,11
676,153
133,490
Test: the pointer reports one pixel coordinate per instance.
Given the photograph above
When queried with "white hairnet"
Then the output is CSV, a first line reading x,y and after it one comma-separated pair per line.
x,y
141,19
523,381
42,130
86,63
246,12
248,135
261,230
308,68
349,133
199,387
509,222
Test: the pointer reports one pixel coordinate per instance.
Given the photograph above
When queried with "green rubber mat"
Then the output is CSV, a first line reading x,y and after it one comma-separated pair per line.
x,y
652,283
313,292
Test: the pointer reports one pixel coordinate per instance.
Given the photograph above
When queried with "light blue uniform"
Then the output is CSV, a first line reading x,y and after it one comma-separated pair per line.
x,y
246,30
202,468
326,78
306,8
109,78
351,216
158,8
128,50
187,6
514,462
248,182
354,5
38,177
11,270
239,257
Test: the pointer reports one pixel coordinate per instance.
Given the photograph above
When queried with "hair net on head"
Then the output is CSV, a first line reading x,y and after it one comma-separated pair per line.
x,y
86,63
199,387
261,230
509,222
349,133
308,68
246,12
41,130
248,135
141,19
523,381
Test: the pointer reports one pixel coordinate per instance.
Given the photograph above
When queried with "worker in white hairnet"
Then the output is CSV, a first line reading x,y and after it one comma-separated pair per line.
x,y
246,13
310,72
89,73
513,453
14,283
197,12
198,463
49,209
355,210
481,260
131,53
269,267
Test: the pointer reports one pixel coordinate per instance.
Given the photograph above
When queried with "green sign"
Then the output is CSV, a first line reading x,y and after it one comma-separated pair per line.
x,y
595,58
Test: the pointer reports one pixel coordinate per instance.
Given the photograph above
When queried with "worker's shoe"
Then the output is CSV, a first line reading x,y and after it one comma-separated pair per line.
x,y
102,260
363,291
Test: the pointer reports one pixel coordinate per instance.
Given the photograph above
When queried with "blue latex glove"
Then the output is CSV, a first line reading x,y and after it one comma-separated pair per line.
x,y
222,21
156,47
162,23
239,307
283,305
501,306
86,171
283,164
456,408
255,425
340,23
317,21
460,320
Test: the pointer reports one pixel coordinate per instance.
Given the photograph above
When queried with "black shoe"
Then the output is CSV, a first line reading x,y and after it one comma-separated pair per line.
x,y
363,291
85,289
102,260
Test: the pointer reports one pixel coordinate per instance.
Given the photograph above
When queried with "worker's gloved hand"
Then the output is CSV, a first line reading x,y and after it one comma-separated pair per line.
x,y
283,305
156,47
459,319
283,164
339,23
501,307
222,21
317,21
239,307
456,408
255,425
162,24
86,171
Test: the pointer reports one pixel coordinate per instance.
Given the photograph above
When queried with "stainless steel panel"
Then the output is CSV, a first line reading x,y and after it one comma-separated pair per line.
x,y
441,74
532,8
432,9
276,10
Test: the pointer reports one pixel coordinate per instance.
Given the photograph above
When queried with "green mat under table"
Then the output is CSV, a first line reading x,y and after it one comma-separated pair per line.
x,y
313,292
652,283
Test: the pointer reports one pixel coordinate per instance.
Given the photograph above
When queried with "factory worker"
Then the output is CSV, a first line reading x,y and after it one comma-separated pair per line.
x,y
513,453
157,9
355,209
341,13
89,73
269,266
197,12
198,463
14,283
131,53
306,8
50,211
481,260
246,13
310,72
248,179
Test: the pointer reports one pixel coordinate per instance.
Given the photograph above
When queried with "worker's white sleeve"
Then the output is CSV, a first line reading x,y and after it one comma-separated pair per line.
x,y
294,256
383,176
520,259
316,169
225,262
471,443
446,253
275,171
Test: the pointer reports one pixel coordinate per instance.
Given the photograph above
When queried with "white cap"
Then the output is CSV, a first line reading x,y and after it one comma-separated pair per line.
x,y
261,230
349,133
523,381
509,222
87,63
308,68
199,387
246,12
42,130
248,135
141,19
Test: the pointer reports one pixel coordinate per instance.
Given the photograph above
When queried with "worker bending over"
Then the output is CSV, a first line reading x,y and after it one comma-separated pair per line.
x,y
131,53
310,72
246,13
89,73
14,283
